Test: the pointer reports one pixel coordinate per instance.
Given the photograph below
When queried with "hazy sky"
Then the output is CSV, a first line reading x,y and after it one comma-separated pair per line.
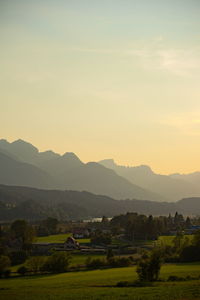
x,y
104,79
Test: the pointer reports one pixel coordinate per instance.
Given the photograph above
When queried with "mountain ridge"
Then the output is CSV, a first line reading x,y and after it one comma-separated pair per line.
x,y
35,204
172,187
69,172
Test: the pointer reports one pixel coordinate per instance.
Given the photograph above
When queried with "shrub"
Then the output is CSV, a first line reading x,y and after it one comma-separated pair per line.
x,y
58,262
100,238
109,254
176,278
22,270
35,264
122,284
4,264
190,254
95,263
7,273
18,257
148,269
119,262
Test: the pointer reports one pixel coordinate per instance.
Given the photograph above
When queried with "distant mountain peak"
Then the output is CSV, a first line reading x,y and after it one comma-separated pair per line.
x,y
4,144
109,163
19,141
70,156
4,141
23,143
145,168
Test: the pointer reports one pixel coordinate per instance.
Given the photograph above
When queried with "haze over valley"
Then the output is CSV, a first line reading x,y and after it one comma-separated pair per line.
x,y
23,165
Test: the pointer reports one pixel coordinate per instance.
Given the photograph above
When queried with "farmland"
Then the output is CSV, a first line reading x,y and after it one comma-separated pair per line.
x,y
59,238
102,283
168,239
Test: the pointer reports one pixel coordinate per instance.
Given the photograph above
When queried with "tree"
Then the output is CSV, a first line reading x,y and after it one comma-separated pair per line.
x,y
18,257
196,239
22,231
191,252
51,225
35,264
22,270
110,254
177,241
148,269
101,238
58,262
4,264
188,223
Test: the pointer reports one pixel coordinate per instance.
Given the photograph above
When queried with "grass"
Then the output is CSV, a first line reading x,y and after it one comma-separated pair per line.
x,y
79,259
59,238
56,238
100,284
168,239
76,260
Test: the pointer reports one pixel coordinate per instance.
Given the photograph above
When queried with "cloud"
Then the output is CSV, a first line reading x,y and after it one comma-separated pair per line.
x,y
179,61
154,56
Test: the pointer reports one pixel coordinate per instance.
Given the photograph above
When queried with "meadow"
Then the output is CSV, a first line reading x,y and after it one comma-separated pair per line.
x,y
59,238
100,284
168,239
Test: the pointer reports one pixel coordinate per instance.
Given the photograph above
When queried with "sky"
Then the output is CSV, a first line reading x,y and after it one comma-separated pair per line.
x,y
103,79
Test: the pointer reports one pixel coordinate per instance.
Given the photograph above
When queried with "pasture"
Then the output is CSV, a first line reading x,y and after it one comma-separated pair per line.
x,y
59,238
168,239
100,284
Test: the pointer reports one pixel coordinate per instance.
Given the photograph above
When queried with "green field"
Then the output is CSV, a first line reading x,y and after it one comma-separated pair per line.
x,y
100,284
167,239
76,260
79,259
59,238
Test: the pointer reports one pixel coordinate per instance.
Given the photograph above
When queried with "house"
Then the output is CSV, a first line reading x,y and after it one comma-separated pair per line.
x,y
71,244
46,248
80,233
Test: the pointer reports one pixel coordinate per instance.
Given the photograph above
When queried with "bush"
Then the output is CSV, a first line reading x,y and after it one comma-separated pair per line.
x,y
110,254
176,278
100,238
35,264
22,270
190,254
4,264
7,273
173,258
122,284
119,262
148,269
58,262
18,257
95,263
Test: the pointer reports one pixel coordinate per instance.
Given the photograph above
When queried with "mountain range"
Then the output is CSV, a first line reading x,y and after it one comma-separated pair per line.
x,y
172,187
22,164
35,204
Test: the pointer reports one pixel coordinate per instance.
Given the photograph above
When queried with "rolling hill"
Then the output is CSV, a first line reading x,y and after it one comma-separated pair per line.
x,y
34,204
